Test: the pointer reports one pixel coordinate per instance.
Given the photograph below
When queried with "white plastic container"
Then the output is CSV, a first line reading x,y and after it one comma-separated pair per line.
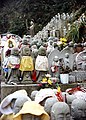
x,y
64,78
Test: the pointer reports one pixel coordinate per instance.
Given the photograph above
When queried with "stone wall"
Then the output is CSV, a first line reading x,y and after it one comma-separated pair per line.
x,y
8,89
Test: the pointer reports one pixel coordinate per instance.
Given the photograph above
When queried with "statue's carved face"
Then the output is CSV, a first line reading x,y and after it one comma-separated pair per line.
x,y
42,51
15,51
60,116
30,117
78,110
60,111
56,59
26,51
24,42
67,55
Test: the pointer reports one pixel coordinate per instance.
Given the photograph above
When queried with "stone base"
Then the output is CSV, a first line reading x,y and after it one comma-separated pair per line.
x,y
8,89
79,76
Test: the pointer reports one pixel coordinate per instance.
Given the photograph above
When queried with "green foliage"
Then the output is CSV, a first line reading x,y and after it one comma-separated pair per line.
x,y
38,27
78,13
73,33
76,32
4,24
77,29
15,13
17,26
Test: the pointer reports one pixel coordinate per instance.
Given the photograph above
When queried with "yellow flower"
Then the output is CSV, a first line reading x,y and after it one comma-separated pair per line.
x,y
49,82
44,80
58,89
63,39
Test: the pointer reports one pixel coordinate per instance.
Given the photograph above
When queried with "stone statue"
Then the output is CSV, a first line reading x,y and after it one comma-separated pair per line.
x,y
63,16
13,66
19,103
23,45
5,63
74,66
68,16
34,51
68,26
54,32
80,58
58,16
30,117
50,47
71,16
64,31
51,33
66,60
78,109
68,98
41,64
13,102
55,67
32,28
49,103
67,63
26,65
24,41
60,111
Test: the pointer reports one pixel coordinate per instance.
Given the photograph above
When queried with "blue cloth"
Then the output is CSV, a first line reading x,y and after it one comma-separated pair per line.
x,y
5,69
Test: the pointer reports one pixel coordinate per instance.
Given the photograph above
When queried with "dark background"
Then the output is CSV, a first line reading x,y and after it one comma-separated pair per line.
x,y
15,15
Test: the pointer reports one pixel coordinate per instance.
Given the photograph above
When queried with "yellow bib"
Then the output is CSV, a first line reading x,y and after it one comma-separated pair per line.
x,y
26,64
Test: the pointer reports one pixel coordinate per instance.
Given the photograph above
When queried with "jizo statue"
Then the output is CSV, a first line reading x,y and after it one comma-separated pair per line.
x,y
41,63
49,103
13,66
30,117
55,67
78,109
60,111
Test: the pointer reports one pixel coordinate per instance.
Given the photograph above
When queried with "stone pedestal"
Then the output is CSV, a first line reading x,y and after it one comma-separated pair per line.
x,y
8,89
80,76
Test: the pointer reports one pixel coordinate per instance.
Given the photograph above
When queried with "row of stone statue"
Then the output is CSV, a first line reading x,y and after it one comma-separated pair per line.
x,y
16,66
31,63
45,104
59,26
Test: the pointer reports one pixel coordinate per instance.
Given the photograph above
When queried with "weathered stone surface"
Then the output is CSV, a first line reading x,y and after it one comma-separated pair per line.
x,y
8,89
51,57
71,56
80,76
